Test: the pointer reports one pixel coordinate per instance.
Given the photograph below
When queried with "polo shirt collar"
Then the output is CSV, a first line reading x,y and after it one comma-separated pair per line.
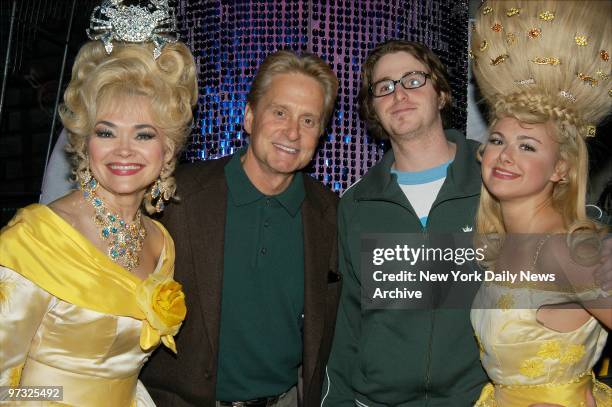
x,y
240,188
243,192
291,198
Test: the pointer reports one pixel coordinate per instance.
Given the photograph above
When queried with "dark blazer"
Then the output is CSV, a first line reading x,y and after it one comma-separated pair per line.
x,y
197,225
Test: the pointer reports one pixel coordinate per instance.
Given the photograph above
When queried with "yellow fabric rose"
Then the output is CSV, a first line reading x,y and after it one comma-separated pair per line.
x,y
162,301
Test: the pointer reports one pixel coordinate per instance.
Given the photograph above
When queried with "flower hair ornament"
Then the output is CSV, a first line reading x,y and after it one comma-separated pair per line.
x,y
115,21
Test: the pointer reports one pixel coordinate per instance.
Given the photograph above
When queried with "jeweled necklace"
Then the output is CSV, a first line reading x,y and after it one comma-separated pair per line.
x,y
124,241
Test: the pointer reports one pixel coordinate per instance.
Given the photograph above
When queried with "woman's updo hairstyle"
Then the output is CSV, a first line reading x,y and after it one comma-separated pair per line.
x,y
99,79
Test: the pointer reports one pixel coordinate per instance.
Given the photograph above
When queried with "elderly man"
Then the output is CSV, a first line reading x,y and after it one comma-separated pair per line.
x,y
429,182
256,253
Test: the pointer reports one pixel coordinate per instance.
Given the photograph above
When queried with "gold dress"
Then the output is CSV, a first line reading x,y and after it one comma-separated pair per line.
x,y
71,317
529,363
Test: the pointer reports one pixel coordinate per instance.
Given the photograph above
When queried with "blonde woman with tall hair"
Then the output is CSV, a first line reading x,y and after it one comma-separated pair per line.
x,y
86,283
543,68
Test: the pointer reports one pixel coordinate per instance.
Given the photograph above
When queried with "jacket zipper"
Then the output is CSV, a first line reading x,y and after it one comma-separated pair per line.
x,y
425,233
429,351
431,327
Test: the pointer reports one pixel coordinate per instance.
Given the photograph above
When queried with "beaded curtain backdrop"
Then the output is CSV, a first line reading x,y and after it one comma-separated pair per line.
x,y
231,38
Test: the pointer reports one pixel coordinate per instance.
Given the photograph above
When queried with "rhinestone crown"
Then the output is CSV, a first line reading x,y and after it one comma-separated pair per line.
x,y
114,21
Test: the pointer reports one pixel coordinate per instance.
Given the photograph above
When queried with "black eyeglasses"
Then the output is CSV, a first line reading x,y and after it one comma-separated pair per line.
x,y
412,80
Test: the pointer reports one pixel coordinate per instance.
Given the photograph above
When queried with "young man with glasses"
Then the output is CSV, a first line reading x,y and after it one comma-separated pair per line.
x,y
429,182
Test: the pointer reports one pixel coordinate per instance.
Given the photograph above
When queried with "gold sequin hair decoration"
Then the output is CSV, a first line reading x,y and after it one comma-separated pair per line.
x,y
528,81
513,11
602,75
534,32
581,40
587,79
498,60
546,16
561,45
568,95
591,131
546,61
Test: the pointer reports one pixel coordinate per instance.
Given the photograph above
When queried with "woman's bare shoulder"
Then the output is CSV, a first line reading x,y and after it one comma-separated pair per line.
x,y
70,207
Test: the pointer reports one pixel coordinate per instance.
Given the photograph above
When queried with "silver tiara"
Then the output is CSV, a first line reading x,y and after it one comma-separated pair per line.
x,y
114,21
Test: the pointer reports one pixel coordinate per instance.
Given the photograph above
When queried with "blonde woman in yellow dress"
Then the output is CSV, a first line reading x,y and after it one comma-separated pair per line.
x,y
543,67
86,283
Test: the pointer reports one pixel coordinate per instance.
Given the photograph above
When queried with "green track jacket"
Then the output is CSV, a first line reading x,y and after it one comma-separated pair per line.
x,y
403,357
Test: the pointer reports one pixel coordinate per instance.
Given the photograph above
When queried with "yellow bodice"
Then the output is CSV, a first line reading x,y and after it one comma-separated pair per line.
x,y
71,317
529,363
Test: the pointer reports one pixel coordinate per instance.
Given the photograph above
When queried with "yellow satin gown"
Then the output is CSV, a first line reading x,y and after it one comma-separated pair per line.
x,y
529,363
70,317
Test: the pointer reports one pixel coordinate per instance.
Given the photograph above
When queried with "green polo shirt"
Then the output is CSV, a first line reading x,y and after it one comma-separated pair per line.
x,y
260,344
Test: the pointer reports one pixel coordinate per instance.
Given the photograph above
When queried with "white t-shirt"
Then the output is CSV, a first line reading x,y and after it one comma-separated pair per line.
x,y
422,187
